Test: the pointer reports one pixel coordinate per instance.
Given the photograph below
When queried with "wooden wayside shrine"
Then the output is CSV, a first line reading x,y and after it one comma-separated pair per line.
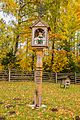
x,y
39,42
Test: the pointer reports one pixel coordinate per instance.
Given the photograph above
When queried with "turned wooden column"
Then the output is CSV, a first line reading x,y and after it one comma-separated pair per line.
x,y
38,78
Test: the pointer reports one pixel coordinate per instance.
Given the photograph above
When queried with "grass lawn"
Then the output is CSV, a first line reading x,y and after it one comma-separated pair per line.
x,y
15,97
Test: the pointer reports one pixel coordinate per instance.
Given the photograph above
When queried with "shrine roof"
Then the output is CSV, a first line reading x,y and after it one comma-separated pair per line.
x,y
40,23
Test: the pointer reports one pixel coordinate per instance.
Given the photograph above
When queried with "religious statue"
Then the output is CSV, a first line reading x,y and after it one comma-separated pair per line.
x,y
39,39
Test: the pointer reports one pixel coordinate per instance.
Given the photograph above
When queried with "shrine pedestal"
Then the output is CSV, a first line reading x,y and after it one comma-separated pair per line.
x,y
38,79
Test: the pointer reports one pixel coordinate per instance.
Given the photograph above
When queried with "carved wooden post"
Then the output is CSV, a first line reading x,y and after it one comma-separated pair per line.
x,y
38,78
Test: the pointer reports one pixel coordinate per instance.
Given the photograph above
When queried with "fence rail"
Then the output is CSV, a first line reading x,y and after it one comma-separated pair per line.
x,y
4,75
20,75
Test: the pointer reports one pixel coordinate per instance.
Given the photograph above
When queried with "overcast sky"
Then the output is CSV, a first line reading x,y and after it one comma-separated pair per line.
x,y
7,18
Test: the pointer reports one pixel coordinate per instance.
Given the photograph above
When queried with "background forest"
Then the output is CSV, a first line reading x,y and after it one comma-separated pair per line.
x,y
63,17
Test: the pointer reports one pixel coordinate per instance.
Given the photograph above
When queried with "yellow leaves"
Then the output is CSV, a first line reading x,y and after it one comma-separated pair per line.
x,y
10,3
25,36
1,67
78,12
60,60
25,59
25,31
35,1
25,64
57,36
65,111
31,19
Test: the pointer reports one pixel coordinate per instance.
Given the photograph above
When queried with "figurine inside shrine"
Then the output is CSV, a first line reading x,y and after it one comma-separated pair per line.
x,y
39,37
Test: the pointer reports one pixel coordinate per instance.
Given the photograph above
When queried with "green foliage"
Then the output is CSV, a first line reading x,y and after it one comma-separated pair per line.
x,y
10,60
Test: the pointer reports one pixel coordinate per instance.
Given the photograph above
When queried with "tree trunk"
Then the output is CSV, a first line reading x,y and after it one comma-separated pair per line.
x,y
16,44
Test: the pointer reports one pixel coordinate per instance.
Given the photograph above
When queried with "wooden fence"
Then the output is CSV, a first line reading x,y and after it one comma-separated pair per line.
x,y
19,75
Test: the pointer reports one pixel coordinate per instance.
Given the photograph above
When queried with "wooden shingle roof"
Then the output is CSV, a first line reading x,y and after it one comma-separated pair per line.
x,y
40,23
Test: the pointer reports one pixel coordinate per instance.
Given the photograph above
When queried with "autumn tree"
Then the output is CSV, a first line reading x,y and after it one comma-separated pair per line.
x,y
6,41
21,11
61,17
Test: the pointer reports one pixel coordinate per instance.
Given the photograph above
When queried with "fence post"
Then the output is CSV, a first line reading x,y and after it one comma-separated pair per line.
x,y
56,77
50,76
75,77
9,74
